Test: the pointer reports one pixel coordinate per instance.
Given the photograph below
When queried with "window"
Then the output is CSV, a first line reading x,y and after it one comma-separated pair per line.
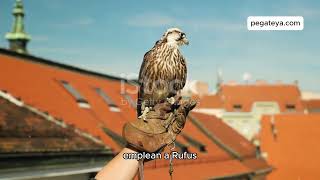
x,y
201,147
112,106
82,102
129,100
237,107
291,107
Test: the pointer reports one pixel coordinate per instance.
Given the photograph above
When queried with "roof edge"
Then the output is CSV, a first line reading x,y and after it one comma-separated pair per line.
x,y
231,176
214,138
51,63
249,174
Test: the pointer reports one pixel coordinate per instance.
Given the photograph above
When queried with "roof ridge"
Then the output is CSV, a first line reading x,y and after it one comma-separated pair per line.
x,y
52,63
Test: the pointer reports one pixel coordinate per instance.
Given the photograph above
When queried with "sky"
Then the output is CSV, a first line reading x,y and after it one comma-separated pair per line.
x,y
112,36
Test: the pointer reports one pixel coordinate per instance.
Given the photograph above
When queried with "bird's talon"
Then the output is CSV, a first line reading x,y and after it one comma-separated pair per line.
x,y
171,100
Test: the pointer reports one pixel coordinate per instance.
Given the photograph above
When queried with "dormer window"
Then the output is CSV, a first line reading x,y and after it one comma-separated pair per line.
x,y
82,102
107,99
291,107
237,107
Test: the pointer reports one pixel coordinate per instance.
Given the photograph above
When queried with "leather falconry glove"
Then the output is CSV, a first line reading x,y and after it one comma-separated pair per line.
x,y
160,127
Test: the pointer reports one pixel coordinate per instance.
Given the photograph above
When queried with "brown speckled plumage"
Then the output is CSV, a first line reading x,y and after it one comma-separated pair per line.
x,y
163,72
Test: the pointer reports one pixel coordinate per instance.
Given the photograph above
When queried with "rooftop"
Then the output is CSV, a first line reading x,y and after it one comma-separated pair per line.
x,y
294,149
70,94
23,129
245,95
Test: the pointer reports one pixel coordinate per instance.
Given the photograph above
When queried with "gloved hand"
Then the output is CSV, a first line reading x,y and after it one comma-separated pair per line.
x,y
160,128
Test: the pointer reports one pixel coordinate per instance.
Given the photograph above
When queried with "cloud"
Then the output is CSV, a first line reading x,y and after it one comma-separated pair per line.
x,y
85,21
150,20
305,12
299,10
45,50
160,20
214,24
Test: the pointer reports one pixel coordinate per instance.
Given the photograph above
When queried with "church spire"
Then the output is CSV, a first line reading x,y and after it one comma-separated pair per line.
x,y
17,38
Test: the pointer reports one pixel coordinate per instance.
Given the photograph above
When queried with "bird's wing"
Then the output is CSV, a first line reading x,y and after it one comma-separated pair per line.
x,y
143,78
184,72
181,75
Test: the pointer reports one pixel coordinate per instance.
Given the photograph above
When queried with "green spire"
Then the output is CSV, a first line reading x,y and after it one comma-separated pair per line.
x,y
17,38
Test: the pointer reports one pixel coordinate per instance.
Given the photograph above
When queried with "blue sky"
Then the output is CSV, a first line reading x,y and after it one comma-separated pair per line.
x,y
112,36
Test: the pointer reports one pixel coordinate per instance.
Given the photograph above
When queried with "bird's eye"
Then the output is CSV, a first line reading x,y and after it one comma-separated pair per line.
x,y
183,35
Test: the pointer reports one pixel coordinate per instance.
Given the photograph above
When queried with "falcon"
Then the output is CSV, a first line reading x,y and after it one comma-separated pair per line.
x,y
163,71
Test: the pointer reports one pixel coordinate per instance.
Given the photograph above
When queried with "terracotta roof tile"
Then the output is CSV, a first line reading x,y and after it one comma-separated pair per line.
x,y
313,106
225,135
39,85
24,131
45,92
246,95
210,101
200,171
295,151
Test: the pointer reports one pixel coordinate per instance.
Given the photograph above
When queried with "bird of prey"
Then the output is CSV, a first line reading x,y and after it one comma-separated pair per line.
x,y
163,71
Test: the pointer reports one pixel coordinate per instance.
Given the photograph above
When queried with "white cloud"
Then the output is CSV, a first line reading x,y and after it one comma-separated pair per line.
x,y
160,20
45,50
150,20
305,12
299,10
85,21
214,24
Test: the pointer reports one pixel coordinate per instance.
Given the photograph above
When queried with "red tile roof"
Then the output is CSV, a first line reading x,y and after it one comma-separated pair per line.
x,y
246,95
295,151
209,101
24,131
38,84
200,171
313,106
221,133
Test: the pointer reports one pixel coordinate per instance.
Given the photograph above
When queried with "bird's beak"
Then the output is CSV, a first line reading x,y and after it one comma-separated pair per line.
x,y
185,41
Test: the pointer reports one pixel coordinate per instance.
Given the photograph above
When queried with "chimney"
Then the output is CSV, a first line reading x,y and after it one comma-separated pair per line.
x,y
18,38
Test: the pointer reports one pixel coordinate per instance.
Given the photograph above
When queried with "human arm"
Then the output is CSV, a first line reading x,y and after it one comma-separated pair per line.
x,y
160,130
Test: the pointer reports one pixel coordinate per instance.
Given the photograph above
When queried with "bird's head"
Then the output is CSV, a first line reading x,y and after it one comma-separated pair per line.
x,y
175,37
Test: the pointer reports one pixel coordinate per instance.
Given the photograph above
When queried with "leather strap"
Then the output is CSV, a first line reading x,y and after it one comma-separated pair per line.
x,y
140,169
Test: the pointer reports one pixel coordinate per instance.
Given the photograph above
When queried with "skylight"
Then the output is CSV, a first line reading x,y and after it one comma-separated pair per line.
x,y
82,102
113,107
